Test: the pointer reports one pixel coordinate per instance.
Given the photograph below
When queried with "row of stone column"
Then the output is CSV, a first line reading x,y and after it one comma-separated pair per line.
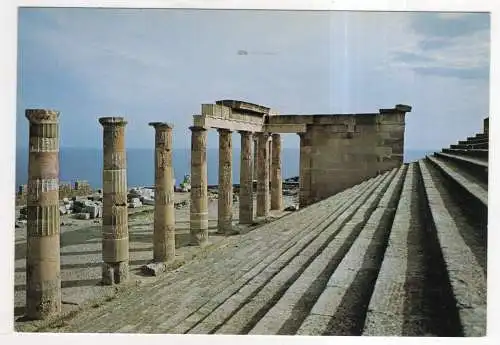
x,y
199,194
43,280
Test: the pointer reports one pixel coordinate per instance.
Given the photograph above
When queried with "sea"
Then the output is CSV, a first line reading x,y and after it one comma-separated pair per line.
x,y
86,164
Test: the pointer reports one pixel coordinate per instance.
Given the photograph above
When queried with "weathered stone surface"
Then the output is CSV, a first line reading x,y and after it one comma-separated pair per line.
x,y
43,281
262,175
246,179
114,209
164,214
199,196
276,180
225,199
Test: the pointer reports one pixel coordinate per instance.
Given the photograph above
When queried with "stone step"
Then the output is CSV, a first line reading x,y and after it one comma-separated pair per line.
x,y
484,146
251,307
196,280
479,136
186,318
474,153
469,141
411,295
338,309
469,183
467,277
475,166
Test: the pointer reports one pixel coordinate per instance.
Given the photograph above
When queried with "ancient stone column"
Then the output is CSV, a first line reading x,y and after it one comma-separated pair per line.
x,y
225,199
276,184
199,192
304,170
269,155
115,240
164,216
255,171
246,179
262,175
43,279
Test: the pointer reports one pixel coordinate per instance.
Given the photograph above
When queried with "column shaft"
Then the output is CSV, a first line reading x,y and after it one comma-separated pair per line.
x,y
276,183
43,279
115,241
199,192
225,199
262,175
304,170
255,171
246,179
164,216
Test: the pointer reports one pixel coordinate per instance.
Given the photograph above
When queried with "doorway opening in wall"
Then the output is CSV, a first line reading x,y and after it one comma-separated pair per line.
x,y
290,159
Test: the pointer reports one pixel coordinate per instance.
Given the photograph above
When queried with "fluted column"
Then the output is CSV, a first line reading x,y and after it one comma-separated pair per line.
x,y
255,171
276,184
246,179
164,216
43,278
304,170
115,241
225,199
262,175
199,192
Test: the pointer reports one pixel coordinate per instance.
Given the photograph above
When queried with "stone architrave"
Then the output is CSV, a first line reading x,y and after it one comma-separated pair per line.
x,y
115,240
199,192
276,183
164,214
43,277
225,198
263,175
246,179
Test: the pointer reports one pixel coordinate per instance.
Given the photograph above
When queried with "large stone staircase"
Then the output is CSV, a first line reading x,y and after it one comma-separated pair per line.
x,y
403,253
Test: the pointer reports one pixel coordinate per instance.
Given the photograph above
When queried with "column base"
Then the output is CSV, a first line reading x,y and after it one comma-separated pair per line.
x,y
114,273
42,304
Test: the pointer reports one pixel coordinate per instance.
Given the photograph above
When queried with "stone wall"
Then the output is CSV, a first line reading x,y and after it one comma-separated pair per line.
x,y
340,151
351,149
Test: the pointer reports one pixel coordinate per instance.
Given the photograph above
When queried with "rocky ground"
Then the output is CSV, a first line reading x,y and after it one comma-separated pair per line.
x,y
81,250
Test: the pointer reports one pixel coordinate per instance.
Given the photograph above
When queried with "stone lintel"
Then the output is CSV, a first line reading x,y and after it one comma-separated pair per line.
x,y
244,106
112,121
232,125
42,115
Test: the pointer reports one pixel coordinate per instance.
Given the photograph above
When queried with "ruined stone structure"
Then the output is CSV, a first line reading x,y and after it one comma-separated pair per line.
x,y
43,280
115,242
336,152
248,119
164,216
402,253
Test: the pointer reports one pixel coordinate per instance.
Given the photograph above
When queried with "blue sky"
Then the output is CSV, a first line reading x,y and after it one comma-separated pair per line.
x,y
161,65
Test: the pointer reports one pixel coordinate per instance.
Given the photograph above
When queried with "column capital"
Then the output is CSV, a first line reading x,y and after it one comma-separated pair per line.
x,y
38,116
161,125
224,130
112,121
264,135
197,129
246,132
